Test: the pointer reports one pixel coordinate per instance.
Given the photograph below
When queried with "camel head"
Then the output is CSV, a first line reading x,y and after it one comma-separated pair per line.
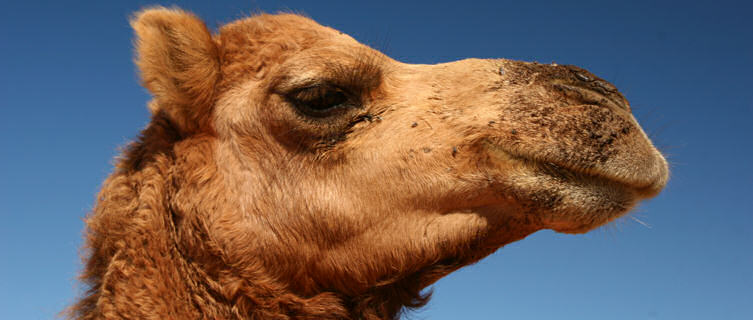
x,y
306,161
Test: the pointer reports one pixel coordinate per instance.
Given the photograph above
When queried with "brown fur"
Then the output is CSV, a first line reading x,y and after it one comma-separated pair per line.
x,y
237,204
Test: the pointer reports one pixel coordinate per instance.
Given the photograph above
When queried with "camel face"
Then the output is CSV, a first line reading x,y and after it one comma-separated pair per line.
x,y
459,136
289,166
353,150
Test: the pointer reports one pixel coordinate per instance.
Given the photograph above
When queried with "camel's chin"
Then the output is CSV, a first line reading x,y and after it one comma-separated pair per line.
x,y
579,203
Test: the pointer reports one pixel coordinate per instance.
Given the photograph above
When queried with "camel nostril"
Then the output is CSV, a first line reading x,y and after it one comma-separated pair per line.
x,y
604,87
594,94
582,76
589,82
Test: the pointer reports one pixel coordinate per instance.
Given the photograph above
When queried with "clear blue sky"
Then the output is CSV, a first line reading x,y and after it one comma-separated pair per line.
x,y
69,97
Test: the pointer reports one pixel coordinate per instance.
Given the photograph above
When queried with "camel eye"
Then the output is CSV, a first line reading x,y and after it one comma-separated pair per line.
x,y
319,101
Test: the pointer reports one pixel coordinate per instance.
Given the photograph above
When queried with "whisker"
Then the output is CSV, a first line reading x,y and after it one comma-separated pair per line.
x,y
641,222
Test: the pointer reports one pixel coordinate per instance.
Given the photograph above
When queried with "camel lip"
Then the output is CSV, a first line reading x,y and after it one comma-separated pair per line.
x,y
643,189
570,172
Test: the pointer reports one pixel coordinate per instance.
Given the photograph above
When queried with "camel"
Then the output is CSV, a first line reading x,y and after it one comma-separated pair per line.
x,y
290,172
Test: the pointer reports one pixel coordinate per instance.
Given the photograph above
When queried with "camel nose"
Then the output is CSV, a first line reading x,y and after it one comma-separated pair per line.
x,y
590,79
587,80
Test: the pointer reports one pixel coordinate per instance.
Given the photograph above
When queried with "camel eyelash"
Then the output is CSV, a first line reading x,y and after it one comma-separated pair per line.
x,y
322,100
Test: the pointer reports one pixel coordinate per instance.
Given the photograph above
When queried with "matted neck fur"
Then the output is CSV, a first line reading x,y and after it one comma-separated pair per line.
x,y
290,172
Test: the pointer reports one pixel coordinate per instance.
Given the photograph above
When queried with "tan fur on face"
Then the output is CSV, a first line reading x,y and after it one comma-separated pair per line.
x,y
238,203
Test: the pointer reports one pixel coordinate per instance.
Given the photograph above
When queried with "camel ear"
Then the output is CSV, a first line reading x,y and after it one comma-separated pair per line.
x,y
179,64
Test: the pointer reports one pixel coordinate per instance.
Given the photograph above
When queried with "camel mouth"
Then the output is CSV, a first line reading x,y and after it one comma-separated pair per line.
x,y
575,174
570,199
563,172
566,198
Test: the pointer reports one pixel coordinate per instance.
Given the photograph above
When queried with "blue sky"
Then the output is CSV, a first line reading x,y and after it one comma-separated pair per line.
x,y
69,98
